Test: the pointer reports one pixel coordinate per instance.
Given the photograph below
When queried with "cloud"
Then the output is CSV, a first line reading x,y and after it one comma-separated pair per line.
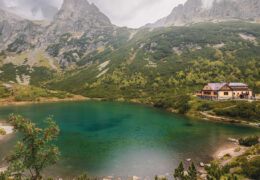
x,y
131,13
136,13
32,9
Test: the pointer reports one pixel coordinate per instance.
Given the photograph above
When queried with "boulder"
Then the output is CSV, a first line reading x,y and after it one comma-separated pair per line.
x,y
188,160
203,176
136,178
233,140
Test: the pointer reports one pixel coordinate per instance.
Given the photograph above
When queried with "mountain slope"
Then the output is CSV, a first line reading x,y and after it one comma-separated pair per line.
x,y
194,11
76,30
168,62
96,55
80,28
14,28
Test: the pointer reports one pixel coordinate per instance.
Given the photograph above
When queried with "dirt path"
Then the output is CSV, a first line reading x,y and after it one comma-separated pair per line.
x,y
234,151
205,113
229,107
228,120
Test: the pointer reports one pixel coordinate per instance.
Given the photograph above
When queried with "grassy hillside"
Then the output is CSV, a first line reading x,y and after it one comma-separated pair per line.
x,y
17,93
162,66
170,61
35,75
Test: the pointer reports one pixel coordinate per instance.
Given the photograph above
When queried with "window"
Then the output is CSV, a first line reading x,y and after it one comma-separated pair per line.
x,y
207,93
215,93
226,93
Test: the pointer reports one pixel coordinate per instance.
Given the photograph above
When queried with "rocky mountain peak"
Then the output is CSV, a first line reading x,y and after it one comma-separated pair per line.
x,y
194,11
78,16
73,8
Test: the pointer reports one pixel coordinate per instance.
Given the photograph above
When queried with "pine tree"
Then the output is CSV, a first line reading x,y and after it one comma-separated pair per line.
x,y
179,172
192,172
155,177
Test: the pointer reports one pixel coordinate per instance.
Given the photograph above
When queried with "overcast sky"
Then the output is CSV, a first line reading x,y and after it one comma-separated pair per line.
x,y
131,13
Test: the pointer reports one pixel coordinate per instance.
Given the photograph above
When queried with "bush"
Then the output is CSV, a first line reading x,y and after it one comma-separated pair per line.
x,y
251,168
2,131
61,95
179,172
163,103
83,177
31,94
35,152
249,141
245,110
182,104
204,107
4,92
53,50
25,95
3,177
214,171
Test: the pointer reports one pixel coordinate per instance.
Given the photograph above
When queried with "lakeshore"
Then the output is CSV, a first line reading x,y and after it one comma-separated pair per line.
x,y
7,129
202,115
125,139
232,149
220,119
12,102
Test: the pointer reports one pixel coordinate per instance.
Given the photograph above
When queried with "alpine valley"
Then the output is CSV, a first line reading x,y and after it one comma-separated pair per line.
x,y
183,63
79,51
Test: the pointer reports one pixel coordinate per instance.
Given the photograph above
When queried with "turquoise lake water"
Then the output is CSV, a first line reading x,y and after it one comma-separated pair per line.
x,y
123,139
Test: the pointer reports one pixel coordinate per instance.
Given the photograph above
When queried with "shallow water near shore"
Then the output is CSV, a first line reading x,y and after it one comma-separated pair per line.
x,y
124,139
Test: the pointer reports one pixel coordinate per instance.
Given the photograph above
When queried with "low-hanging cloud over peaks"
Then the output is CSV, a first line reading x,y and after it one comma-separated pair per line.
x,y
134,13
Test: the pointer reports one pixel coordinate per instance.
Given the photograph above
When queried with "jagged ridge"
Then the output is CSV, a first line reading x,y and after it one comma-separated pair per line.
x,y
194,11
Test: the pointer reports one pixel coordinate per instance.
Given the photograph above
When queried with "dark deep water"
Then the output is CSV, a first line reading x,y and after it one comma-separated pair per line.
x,y
123,139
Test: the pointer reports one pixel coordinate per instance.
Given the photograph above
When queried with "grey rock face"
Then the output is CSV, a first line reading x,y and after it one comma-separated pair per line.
x,y
194,11
14,28
86,27
78,16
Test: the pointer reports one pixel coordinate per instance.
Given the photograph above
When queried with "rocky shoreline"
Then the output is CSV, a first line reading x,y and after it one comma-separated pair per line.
x,y
227,120
44,100
7,129
224,155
